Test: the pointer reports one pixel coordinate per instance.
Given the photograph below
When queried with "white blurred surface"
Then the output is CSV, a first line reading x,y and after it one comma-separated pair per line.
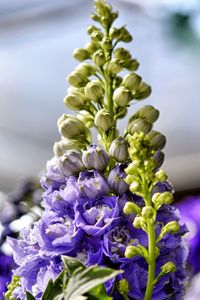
x,y
37,39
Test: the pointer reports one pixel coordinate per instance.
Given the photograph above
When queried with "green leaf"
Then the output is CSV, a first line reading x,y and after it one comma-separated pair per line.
x,y
72,264
53,289
99,293
83,281
29,296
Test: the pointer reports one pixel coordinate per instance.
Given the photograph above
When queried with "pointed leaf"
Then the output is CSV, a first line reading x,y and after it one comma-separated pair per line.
x,y
29,296
53,288
85,280
72,264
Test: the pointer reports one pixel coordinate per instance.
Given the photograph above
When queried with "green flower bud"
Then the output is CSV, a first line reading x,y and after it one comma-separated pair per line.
x,y
91,47
62,146
86,69
91,29
70,126
122,96
80,54
147,112
75,100
144,90
124,35
129,179
114,33
106,43
131,208
122,54
132,65
157,140
123,287
86,118
134,187
149,214
95,17
104,119
132,168
77,79
119,149
114,66
158,158
132,251
161,175
162,198
99,58
172,227
97,36
169,267
131,81
139,125
93,90
138,222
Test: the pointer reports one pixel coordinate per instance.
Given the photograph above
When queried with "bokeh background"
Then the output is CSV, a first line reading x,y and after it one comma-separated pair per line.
x,y
37,38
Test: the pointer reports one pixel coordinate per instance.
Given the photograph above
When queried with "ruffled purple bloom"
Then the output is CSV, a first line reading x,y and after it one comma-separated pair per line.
x,y
83,218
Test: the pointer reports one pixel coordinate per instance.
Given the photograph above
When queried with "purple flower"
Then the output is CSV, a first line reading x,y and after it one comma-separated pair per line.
x,y
190,214
95,158
116,179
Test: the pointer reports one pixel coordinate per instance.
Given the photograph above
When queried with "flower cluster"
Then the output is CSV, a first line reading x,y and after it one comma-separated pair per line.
x,y
84,218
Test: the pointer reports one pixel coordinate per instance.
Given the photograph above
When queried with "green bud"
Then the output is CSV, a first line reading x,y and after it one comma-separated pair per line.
x,y
86,69
91,29
91,47
93,90
123,287
95,17
147,112
104,119
70,126
149,214
161,175
124,35
97,36
139,125
119,149
115,66
114,33
169,267
134,187
75,100
106,43
132,251
131,208
129,179
157,140
131,81
172,227
86,118
77,79
99,58
144,90
122,54
132,65
162,198
80,54
132,168
122,96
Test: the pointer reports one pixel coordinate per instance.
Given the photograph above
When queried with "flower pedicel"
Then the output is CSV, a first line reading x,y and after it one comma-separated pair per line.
x,y
107,204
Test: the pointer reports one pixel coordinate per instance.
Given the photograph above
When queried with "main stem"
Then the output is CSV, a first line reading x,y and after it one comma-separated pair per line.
x,y
151,248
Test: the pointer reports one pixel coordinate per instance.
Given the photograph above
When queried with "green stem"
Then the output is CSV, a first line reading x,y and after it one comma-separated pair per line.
x,y
151,246
152,262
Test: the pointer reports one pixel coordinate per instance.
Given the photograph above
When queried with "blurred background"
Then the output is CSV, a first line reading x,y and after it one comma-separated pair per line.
x,y
37,38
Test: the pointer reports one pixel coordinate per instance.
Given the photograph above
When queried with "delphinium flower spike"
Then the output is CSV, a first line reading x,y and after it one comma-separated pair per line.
x,y
107,204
